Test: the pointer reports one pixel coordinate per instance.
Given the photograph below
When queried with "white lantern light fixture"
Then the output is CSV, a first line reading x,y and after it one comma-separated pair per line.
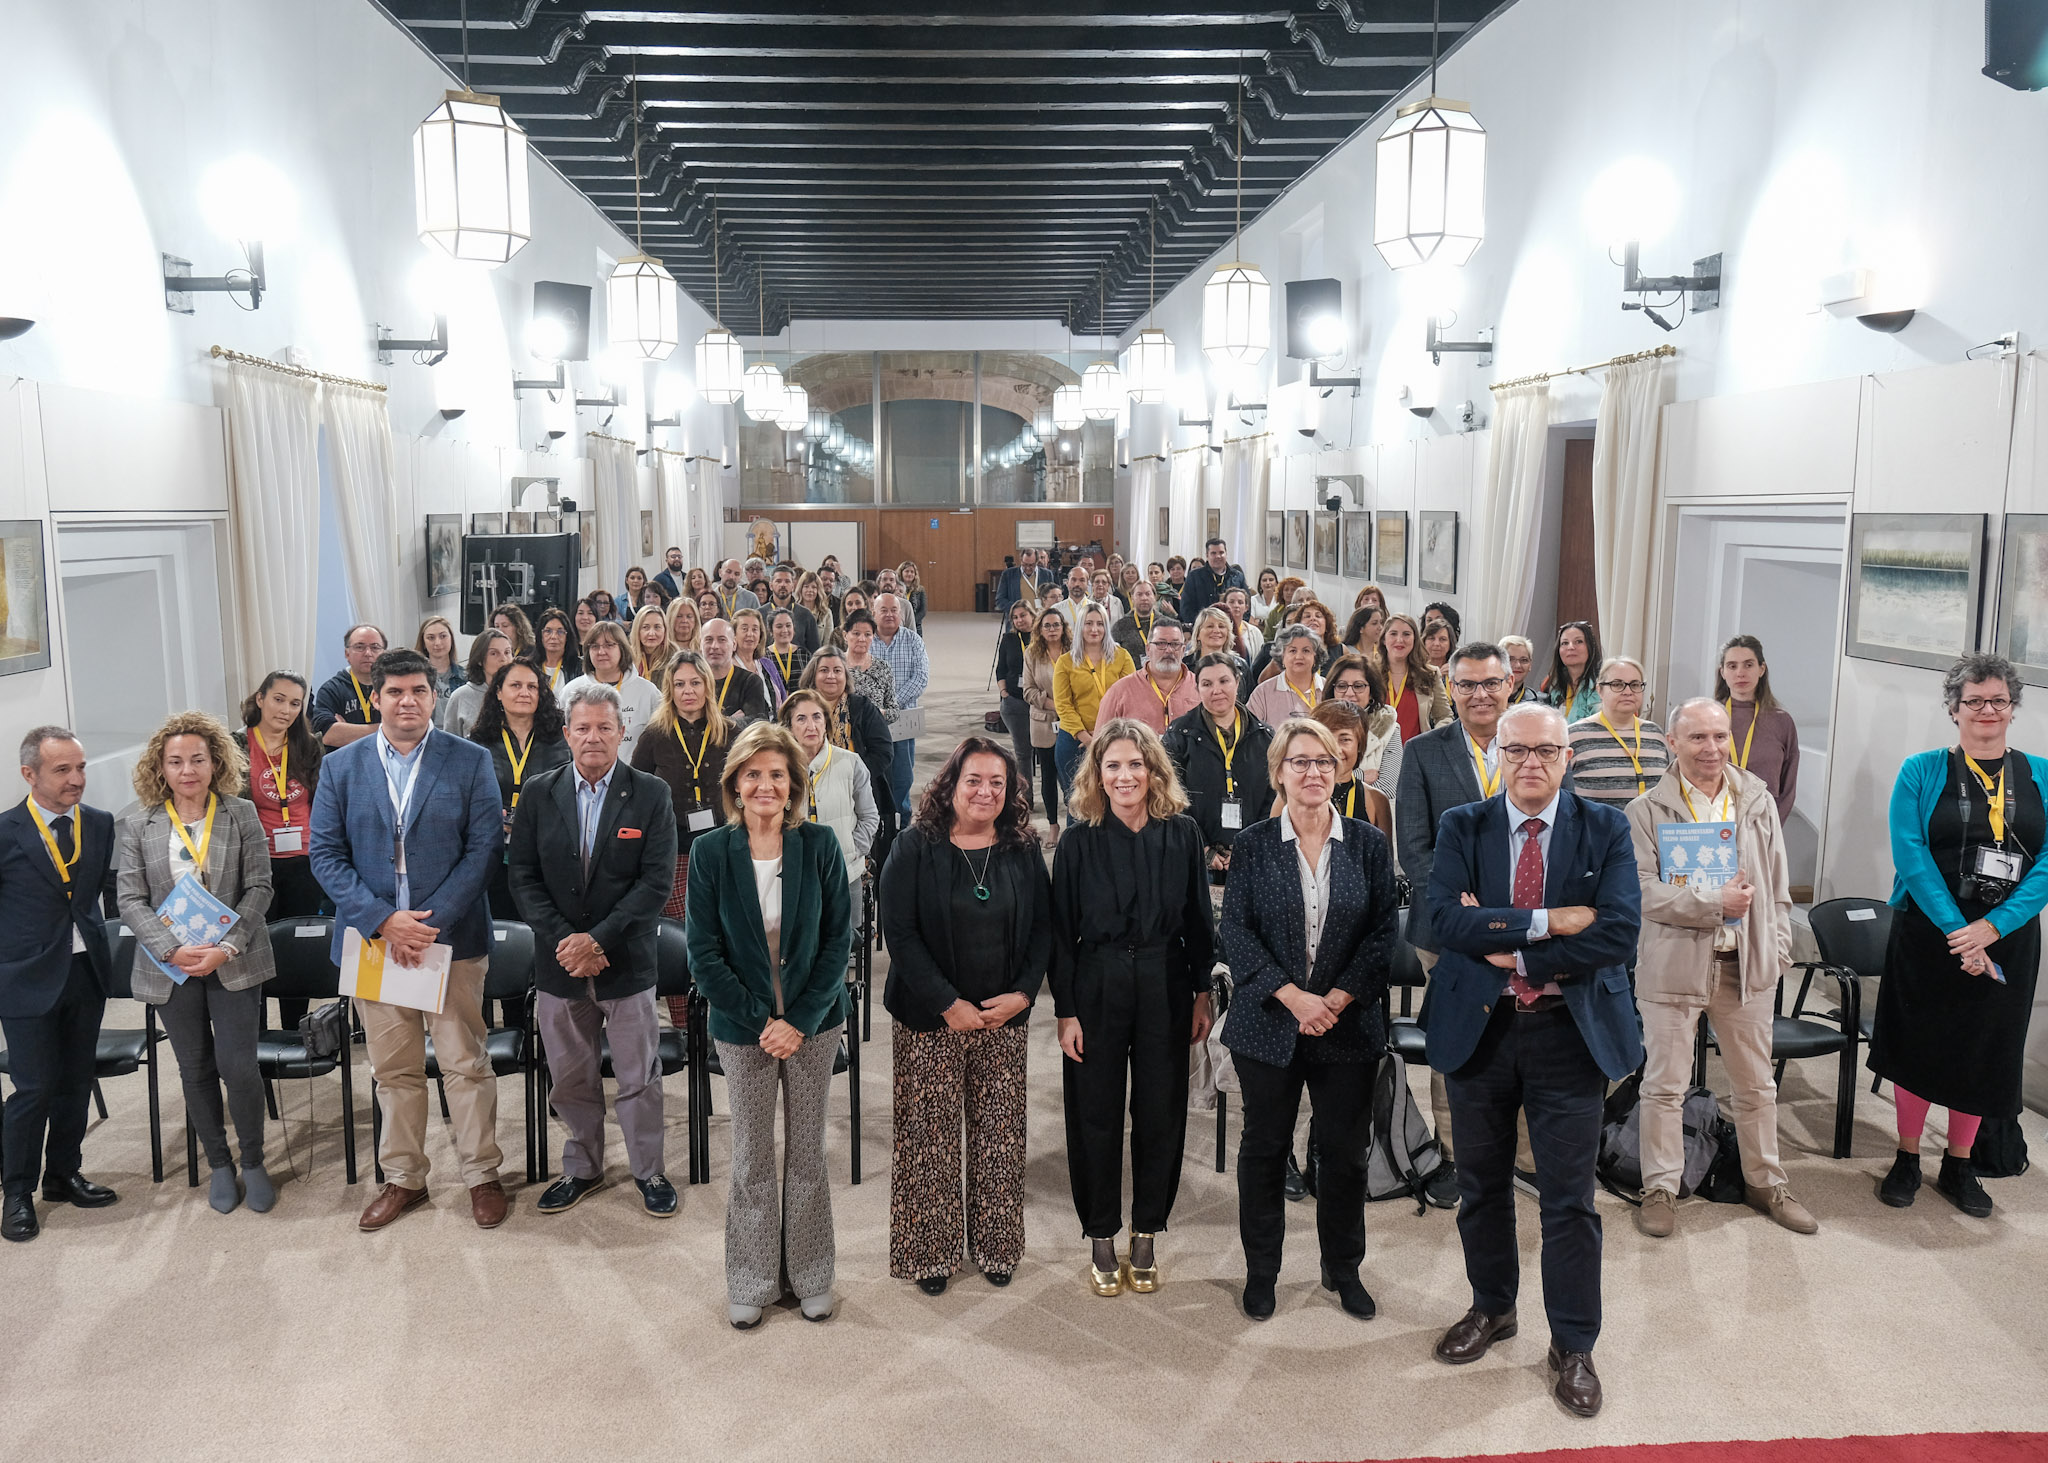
x,y
763,396
796,409
469,176
1102,392
640,297
1066,408
721,367
819,427
1237,302
1430,196
1151,355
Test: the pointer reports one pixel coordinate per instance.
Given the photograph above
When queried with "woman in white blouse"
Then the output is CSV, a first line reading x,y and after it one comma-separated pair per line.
x,y
608,656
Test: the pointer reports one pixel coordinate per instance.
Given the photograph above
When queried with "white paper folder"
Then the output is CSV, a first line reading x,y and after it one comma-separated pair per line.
x,y
369,972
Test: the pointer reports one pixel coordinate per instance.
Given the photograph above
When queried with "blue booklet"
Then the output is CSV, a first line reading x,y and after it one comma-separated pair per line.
x,y
195,917
1697,855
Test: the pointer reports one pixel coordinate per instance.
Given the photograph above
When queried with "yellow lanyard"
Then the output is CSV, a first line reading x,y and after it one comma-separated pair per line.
x,y
784,659
1165,697
1724,806
1486,786
722,686
1996,791
1635,756
50,842
1145,623
1308,701
205,834
278,771
1101,677
728,598
1229,750
1756,715
554,678
816,778
1351,798
360,696
1400,689
518,760
696,761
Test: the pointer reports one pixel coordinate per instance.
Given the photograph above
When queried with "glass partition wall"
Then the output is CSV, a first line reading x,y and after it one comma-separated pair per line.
x,y
953,429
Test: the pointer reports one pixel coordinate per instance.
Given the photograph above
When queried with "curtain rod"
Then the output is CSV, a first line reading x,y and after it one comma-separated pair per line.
x,y
1648,355
608,437
222,353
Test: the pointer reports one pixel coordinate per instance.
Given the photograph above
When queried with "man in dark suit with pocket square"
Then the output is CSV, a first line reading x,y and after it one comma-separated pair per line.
x,y
1535,904
56,868
593,900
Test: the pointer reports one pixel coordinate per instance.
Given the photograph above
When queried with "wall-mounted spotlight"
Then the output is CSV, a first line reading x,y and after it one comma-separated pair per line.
x,y
559,329
181,284
429,352
1416,405
1434,342
15,325
1315,319
558,382
1843,294
1700,290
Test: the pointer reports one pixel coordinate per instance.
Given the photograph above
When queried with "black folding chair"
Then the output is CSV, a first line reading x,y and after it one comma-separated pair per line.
x,y
513,1046
1853,936
304,972
1799,1037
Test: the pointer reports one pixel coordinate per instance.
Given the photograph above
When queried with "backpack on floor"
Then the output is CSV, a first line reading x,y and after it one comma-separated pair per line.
x,y
2000,1151
1620,1164
1401,1152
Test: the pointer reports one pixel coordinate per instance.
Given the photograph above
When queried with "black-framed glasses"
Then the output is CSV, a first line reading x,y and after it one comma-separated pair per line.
x,y
1547,753
1975,704
1492,684
1303,766
1621,685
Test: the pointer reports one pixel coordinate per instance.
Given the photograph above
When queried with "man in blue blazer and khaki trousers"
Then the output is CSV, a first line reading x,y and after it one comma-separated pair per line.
x,y
406,828
1535,905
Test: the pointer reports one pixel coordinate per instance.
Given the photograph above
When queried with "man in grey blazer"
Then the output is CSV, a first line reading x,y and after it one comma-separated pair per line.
x,y
406,827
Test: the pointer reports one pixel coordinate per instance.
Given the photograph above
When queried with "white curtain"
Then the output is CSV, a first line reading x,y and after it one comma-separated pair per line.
x,y
1184,487
358,426
617,497
1625,508
1245,493
1142,546
1505,519
672,498
274,435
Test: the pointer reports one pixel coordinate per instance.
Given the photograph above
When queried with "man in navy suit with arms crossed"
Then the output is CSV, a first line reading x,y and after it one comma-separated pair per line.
x,y
1535,905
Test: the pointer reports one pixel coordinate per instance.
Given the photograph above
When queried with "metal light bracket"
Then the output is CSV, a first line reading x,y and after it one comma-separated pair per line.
x,y
1434,342
437,344
558,383
1318,381
181,284
1702,287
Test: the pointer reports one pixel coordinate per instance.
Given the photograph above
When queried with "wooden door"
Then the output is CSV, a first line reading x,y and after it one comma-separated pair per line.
x,y
1575,598
942,543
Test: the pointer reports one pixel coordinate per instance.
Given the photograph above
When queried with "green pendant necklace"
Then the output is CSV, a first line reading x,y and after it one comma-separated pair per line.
x,y
980,879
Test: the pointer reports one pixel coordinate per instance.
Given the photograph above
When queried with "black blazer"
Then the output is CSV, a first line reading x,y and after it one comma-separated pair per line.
x,y
1265,942
744,694
1199,761
42,911
632,869
917,923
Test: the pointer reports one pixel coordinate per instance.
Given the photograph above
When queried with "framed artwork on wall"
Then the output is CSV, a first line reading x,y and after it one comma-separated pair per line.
x,y
646,533
1915,582
486,525
2023,596
547,523
1276,540
1326,543
1297,538
24,598
520,520
1357,545
444,554
1436,552
586,525
1165,522
1390,547
1213,519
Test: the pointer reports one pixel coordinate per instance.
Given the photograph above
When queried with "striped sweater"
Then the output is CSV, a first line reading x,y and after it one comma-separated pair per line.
x,y
1602,767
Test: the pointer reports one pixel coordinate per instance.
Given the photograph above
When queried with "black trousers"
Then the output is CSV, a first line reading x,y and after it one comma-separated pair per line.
x,y
1536,1062
294,894
51,1059
1340,1097
1049,780
1017,720
1136,1012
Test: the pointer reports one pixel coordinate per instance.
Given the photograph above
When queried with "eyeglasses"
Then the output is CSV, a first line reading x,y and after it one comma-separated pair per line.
x,y
1303,766
1350,688
1975,704
1548,753
1492,685
1621,685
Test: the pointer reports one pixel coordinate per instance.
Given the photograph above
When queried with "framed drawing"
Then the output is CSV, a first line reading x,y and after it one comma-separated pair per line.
x,y
486,525
547,523
1213,521
2023,596
1357,537
519,520
646,533
24,598
586,527
1165,520
1390,548
1436,552
1914,586
1326,543
444,554
1297,538
1276,540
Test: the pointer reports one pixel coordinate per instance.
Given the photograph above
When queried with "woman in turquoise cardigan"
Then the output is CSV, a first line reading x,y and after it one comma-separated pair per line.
x,y
770,926
1574,668
1967,827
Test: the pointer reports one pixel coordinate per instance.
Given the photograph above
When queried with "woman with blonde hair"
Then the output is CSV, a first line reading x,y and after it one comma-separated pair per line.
x,y
1216,635
810,593
911,587
651,648
683,623
1414,690
1079,681
1132,947
190,819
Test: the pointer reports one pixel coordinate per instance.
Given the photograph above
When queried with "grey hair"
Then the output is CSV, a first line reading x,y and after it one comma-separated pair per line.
x,y
1701,704
1978,667
1291,633
1523,709
594,693
32,744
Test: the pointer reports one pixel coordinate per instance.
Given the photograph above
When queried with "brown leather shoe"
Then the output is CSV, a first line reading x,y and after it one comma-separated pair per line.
x,y
1468,1340
1777,1202
390,1202
488,1203
1577,1386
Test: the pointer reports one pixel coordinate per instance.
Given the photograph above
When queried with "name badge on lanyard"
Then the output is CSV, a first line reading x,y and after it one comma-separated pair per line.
x,y
288,839
1233,814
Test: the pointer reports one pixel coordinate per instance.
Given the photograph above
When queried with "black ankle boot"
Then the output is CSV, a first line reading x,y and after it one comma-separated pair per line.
x,y
1958,1184
1902,1183
1296,1188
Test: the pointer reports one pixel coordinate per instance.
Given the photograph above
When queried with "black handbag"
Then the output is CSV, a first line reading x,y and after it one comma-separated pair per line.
x,y
324,1030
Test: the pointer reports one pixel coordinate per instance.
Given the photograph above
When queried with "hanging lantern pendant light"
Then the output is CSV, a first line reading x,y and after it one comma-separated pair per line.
x,y
469,175
1151,354
1429,197
721,363
765,398
1237,302
1102,384
640,296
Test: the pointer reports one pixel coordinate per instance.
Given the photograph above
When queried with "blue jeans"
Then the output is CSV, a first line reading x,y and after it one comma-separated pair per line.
x,y
1067,752
903,760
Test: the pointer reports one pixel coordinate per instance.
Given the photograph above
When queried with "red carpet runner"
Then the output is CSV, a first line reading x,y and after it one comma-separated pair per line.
x,y
1907,1448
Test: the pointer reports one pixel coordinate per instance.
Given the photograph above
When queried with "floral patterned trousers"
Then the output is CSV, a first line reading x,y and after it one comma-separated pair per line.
x,y
945,1078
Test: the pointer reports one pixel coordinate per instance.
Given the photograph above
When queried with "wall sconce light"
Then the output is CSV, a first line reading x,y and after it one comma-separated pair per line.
x,y
1856,287
450,413
1434,342
1700,290
180,284
434,349
551,386
12,326
1416,405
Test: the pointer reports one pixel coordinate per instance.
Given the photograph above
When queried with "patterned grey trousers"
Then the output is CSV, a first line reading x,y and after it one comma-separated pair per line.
x,y
767,1232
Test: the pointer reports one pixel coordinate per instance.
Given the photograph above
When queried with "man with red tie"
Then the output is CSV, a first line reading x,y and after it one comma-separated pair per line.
x,y
1534,900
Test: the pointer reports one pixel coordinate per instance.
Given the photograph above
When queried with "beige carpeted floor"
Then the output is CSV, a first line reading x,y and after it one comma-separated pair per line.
x,y
157,1329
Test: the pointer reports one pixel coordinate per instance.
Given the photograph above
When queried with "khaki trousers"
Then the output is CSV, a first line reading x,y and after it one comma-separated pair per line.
x,y
1743,1029
398,1060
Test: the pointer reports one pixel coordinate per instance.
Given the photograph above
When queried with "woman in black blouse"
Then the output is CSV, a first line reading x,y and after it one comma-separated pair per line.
x,y
522,729
966,911
685,745
1132,947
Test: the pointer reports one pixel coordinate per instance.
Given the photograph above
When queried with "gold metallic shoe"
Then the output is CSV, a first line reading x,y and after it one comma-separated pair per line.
x,y
1142,1279
1105,1282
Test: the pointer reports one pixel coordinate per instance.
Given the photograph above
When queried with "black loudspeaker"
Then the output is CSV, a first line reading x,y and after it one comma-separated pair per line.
x,y
2016,43
1310,304
568,304
531,570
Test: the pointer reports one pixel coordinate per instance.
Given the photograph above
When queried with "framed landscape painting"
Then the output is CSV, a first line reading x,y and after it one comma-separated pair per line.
x,y
2023,596
486,525
1390,549
1915,582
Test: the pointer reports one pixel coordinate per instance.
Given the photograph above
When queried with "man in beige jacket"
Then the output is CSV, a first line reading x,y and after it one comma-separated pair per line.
x,y
1715,951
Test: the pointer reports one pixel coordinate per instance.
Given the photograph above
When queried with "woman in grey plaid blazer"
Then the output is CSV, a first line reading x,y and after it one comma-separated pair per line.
x,y
189,819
